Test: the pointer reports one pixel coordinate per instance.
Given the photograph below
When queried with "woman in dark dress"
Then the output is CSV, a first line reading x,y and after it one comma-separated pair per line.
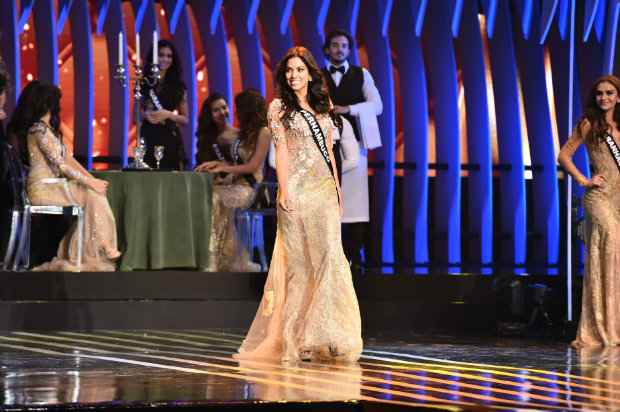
x,y
165,109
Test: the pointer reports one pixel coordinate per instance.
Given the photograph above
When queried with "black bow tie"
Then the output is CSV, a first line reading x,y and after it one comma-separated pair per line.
x,y
334,69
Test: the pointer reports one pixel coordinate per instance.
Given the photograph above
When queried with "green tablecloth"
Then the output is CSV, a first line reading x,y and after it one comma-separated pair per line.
x,y
163,219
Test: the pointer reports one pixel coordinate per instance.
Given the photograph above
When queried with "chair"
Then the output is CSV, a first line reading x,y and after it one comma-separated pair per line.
x,y
13,183
250,220
22,256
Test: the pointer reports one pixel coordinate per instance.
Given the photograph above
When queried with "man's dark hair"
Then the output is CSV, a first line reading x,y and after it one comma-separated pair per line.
x,y
337,33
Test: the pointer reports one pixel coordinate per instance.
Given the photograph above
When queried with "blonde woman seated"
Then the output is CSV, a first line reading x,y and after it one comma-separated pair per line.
x,y
238,165
36,123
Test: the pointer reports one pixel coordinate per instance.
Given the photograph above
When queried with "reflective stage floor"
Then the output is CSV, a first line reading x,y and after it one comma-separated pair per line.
x,y
163,370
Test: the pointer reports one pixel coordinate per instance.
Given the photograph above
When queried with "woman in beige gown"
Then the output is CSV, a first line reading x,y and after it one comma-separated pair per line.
x,y
237,159
56,178
309,310
600,310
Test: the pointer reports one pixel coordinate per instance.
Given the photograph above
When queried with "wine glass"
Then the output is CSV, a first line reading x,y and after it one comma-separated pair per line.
x,y
159,154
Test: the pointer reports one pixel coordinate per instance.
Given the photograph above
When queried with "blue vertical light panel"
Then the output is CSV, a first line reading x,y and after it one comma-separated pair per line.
x,y
214,45
119,95
9,33
443,87
479,224
509,132
181,30
145,24
343,15
374,18
560,60
274,17
310,16
414,97
611,33
546,213
47,40
243,15
83,81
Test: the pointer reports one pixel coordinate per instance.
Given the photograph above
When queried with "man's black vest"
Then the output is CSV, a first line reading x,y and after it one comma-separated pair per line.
x,y
348,92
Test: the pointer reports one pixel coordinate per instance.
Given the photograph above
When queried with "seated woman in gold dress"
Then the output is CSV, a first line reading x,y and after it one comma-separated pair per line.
x,y
238,167
36,124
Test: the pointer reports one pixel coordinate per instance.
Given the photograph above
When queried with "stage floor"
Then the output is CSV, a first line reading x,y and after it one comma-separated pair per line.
x,y
164,369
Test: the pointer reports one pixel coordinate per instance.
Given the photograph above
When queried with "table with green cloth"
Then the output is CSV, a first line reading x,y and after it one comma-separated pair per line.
x,y
163,219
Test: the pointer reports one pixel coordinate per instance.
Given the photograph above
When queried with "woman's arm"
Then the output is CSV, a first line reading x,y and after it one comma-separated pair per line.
x,y
181,116
330,149
282,174
178,116
256,161
51,148
565,158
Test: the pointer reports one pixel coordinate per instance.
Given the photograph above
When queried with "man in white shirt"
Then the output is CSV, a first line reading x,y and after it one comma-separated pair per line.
x,y
355,96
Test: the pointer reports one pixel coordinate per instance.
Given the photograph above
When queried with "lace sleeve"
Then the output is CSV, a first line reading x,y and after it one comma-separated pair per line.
x,y
55,152
275,122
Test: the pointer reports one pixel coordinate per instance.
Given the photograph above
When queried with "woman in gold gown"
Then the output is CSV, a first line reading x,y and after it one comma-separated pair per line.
x,y
238,163
309,310
36,123
600,311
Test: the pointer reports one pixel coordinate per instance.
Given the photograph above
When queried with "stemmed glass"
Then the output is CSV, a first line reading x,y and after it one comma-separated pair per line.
x,y
158,154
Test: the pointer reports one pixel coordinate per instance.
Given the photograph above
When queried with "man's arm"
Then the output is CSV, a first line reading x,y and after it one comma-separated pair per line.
x,y
371,94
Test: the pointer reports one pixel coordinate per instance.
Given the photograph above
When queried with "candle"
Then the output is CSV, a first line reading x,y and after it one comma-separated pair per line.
x,y
120,48
137,48
155,55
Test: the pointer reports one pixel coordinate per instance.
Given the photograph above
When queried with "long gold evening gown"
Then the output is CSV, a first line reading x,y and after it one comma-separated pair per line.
x,y
600,307
50,161
309,309
226,252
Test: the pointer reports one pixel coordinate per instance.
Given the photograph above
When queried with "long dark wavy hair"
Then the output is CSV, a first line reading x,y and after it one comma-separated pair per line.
x,y
207,132
594,114
174,72
318,94
172,87
252,114
36,100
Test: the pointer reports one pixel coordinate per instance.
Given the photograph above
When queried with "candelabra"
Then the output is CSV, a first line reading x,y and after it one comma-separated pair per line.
x,y
139,78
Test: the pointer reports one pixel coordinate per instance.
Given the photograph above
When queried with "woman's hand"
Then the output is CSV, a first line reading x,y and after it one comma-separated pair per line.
x,y
213,166
283,202
201,167
98,185
596,181
157,116
217,167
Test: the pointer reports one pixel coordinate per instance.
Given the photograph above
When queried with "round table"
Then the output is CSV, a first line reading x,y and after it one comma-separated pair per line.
x,y
163,219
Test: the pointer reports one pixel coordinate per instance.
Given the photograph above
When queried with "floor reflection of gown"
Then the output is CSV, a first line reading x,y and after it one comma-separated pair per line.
x,y
226,253
47,162
309,308
307,382
600,309
600,366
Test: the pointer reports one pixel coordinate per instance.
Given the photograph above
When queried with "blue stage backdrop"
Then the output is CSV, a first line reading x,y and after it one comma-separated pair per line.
x,y
475,95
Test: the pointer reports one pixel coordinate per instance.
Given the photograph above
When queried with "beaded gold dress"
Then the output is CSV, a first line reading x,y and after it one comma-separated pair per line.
x,y
600,308
226,252
49,161
309,309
